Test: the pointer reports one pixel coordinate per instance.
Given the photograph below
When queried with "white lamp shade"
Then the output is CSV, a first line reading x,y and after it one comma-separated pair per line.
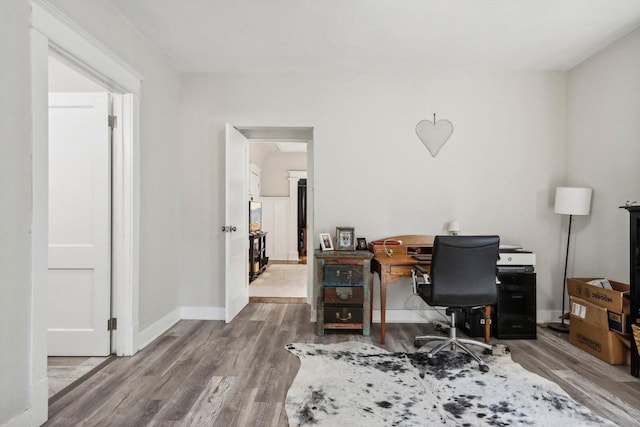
x,y
573,201
454,227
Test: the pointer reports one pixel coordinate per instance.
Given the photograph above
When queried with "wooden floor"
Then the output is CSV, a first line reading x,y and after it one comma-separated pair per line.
x,y
206,373
64,371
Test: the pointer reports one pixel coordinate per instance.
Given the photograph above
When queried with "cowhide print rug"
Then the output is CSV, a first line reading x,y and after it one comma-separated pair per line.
x,y
358,384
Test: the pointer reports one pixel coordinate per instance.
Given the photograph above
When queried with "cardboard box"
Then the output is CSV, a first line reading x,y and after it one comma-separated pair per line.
x,y
589,331
616,301
619,322
611,299
589,313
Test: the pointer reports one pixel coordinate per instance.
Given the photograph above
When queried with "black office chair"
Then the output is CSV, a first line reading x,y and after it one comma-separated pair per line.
x,y
462,276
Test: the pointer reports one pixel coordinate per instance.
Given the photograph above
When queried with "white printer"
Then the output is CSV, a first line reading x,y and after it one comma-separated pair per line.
x,y
515,259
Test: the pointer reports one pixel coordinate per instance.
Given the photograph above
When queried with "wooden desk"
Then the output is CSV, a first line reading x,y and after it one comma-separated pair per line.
x,y
399,264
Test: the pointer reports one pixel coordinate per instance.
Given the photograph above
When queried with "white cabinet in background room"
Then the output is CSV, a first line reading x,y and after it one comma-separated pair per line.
x,y
275,220
254,180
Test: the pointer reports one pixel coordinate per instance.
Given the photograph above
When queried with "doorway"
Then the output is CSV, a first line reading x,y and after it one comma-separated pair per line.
x,y
51,32
79,289
79,273
276,170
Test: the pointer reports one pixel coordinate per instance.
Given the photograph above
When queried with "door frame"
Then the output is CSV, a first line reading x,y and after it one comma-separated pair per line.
x,y
51,30
303,134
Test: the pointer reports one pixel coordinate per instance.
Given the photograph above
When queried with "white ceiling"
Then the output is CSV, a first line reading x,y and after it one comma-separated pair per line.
x,y
379,35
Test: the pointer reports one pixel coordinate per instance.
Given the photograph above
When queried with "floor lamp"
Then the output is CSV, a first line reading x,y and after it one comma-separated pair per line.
x,y
569,201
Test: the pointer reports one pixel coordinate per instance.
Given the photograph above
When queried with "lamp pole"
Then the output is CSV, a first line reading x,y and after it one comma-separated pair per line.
x,y
563,327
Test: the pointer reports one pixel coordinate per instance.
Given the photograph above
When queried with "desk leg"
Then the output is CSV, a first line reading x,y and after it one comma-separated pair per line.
x,y
383,309
371,305
487,324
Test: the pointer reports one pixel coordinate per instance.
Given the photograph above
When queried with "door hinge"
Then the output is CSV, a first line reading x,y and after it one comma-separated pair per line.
x,y
113,122
112,324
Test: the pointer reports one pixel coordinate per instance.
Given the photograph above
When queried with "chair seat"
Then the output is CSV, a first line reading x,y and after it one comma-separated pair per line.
x,y
456,301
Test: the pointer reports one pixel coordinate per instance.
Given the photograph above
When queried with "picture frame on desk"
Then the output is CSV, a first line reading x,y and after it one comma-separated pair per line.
x,y
345,238
362,244
326,244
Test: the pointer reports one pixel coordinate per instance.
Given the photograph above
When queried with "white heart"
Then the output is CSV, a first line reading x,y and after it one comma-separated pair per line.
x,y
433,136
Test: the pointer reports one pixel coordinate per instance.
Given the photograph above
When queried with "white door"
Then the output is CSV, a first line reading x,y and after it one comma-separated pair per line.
x,y
79,278
236,241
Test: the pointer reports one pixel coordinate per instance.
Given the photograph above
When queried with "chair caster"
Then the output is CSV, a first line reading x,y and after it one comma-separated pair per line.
x,y
488,352
417,343
484,368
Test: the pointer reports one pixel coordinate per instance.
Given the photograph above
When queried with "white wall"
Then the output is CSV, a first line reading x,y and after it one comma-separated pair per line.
x,y
159,175
495,175
15,211
603,152
275,172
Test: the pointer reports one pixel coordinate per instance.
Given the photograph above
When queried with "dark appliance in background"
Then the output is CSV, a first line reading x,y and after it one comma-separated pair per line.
x,y
302,217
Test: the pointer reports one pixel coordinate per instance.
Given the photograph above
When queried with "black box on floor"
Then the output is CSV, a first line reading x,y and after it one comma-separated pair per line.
x,y
473,322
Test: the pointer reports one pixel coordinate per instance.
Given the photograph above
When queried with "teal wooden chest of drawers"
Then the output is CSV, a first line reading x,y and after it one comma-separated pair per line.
x,y
343,290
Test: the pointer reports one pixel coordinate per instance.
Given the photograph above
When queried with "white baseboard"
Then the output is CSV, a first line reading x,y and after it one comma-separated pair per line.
x,y
546,316
40,399
158,328
23,420
278,256
202,313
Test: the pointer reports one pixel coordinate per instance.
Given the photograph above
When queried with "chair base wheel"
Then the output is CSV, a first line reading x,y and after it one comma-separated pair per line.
x,y
417,343
484,368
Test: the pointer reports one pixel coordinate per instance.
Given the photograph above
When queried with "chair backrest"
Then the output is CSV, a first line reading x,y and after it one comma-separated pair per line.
x,y
463,271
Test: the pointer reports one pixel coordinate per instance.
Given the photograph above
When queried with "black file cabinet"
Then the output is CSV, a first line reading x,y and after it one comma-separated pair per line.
x,y
515,314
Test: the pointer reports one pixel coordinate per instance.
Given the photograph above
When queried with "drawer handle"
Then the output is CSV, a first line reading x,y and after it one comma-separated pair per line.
x,y
343,319
344,294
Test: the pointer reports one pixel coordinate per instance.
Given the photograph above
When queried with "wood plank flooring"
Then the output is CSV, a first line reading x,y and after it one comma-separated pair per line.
x,y
63,371
207,373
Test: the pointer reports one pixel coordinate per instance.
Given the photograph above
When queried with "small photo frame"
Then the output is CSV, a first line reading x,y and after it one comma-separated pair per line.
x,y
326,244
362,244
345,238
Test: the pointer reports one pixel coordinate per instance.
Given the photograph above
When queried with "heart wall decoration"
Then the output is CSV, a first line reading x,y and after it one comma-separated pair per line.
x,y
434,134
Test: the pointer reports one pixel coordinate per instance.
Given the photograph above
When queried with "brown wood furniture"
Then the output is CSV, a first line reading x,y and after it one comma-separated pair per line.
x,y
343,290
399,264
392,266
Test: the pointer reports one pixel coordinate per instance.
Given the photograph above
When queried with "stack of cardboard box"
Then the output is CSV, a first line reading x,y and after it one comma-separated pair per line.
x,y
600,322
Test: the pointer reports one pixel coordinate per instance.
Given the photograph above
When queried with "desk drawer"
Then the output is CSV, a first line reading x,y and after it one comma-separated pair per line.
x,y
404,270
340,314
344,295
341,275
400,270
